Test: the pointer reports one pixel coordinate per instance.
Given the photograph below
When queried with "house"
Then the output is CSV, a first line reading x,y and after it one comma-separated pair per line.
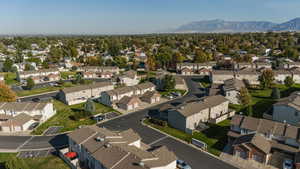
x,y
231,90
151,97
100,69
129,78
291,65
295,74
19,116
219,76
111,97
249,76
129,103
263,65
258,139
39,76
243,65
186,71
188,116
280,75
252,146
194,67
99,148
287,109
80,94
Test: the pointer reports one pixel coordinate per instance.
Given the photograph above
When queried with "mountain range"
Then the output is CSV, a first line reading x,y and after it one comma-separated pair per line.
x,y
220,26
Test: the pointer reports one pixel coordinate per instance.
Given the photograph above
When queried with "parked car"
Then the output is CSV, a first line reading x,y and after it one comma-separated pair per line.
x,y
287,164
182,165
169,96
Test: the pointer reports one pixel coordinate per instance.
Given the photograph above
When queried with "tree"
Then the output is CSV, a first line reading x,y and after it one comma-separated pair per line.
x,y
29,83
29,67
275,93
168,82
266,78
245,96
249,110
89,106
201,56
291,53
288,81
6,94
7,65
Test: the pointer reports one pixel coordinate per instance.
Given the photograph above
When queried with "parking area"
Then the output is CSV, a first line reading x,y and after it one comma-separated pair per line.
x,y
52,130
35,154
111,115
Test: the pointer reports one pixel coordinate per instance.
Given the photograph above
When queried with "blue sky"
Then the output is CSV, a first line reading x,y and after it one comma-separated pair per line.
x,y
132,16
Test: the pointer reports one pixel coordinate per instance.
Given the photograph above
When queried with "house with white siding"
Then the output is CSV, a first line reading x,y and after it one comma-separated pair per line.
x,y
19,116
39,76
231,90
80,94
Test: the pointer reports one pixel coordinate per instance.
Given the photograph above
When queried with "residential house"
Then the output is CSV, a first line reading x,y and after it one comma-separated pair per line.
x,y
151,97
295,74
287,109
231,90
291,65
100,69
80,94
249,76
111,97
280,75
243,65
19,116
186,71
129,78
100,148
219,76
194,67
257,139
129,103
263,65
188,116
39,76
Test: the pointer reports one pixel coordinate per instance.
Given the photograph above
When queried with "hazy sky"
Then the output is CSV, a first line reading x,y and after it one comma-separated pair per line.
x,y
132,16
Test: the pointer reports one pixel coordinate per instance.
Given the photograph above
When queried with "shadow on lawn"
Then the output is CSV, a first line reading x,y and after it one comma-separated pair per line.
x,y
219,133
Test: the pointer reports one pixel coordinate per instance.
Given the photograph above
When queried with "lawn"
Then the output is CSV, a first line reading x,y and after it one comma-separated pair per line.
x,y
10,78
262,101
51,162
62,117
44,89
215,136
65,75
164,93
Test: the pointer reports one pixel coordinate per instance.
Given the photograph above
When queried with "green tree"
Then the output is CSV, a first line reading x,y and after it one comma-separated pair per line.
x,y
275,93
7,65
291,53
288,81
29,67
30,83
6,94
89,106
168,82
245,96
249,110
266,79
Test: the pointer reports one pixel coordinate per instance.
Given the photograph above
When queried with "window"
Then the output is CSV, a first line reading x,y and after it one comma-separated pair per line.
x,y
296,113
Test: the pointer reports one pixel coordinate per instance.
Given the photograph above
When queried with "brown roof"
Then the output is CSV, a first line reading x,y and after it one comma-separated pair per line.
x,y
293,101
233,84
195,107
22,106
18,120
146,85
255,139
151,94
129,100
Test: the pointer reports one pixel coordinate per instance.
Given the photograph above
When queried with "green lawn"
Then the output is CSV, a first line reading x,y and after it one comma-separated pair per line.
x,y
51,162
262,101
10,78
215,137
44,89
164,93
62,117
65,75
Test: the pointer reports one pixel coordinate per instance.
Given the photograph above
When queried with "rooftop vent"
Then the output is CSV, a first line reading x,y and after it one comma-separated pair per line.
x,y
142,164
107,145
99,139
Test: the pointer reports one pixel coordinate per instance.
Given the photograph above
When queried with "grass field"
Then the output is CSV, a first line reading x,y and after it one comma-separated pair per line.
x,y
51,162
10,78
65,75
262,101
215,136
62,117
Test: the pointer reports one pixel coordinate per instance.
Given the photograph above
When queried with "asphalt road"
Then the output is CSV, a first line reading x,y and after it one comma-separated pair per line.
x,y
197,159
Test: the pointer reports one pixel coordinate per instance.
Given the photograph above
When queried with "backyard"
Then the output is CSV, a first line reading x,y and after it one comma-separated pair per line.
x,y
63,117
262,101
215,136
50,162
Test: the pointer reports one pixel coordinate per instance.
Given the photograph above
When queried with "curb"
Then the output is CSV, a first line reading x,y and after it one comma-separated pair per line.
x,y
23,97
175,138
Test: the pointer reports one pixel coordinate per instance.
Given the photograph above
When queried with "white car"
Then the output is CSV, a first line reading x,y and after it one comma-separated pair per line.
x,y
182,165
287,164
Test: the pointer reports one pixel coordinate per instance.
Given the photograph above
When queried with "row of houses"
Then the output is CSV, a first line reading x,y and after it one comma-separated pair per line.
x,y
130,97
92,72
39,76
100,148
251,76
20,116
80,94
260,139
